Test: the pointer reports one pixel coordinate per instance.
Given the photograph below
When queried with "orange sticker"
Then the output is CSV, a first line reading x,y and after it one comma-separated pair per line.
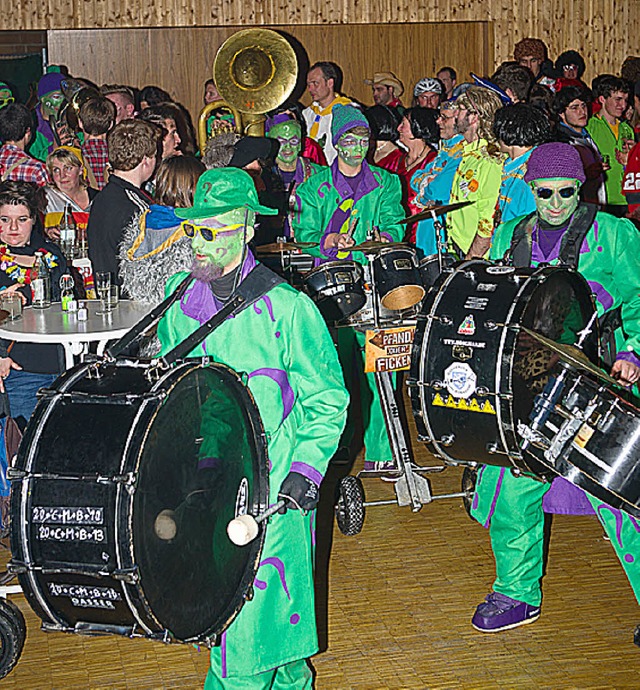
x,y
473,186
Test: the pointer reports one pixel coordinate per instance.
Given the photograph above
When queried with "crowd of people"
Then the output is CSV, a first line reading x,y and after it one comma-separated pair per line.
x,y
536,162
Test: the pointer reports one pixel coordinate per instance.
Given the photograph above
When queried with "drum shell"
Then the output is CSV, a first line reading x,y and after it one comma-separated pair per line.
x,y
483,428
601,454
92,572
397,277
337,288
429,268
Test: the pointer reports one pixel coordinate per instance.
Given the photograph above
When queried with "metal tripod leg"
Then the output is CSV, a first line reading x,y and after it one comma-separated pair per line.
x,y
411,488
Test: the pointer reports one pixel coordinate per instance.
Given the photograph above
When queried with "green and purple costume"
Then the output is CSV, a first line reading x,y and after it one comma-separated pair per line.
x,y
512,507
326,203
283,346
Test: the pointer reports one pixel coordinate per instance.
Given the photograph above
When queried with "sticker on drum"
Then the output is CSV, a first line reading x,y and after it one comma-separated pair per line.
x,y
403,264
500,270
468,326
242,497
460,380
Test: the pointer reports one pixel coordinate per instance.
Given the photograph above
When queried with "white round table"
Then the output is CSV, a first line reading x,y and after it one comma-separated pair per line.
x,y
52,325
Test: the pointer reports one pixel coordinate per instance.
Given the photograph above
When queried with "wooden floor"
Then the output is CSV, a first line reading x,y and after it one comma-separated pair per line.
x,y
395,607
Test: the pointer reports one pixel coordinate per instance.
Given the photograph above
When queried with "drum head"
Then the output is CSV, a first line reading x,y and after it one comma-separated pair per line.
x,y
203,462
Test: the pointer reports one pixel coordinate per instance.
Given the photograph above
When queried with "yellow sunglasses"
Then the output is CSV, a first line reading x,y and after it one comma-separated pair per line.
x,y
208,234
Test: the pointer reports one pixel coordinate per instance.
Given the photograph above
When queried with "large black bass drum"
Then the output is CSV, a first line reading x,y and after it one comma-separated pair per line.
x,y
474,372
123,487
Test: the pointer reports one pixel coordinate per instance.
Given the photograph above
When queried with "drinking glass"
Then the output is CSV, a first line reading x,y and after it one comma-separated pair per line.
x,y
103,283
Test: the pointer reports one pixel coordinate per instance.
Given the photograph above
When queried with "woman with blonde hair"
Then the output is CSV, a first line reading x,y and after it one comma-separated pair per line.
x,y
69,187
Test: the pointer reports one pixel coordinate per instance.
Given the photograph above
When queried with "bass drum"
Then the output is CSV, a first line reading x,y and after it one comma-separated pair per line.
x,y
124,485
474,372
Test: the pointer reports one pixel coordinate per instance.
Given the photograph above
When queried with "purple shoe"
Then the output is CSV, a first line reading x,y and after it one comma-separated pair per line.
x,y
499,612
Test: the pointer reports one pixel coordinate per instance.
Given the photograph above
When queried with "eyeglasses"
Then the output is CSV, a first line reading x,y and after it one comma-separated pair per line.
x,y
208,234
546,193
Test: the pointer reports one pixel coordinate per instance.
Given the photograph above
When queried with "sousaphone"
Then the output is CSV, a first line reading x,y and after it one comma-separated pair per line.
x,y
255,71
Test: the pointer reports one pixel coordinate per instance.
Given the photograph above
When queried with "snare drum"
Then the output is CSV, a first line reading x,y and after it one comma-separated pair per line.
x,y
395,271
337,288
124,485
586,433
474,374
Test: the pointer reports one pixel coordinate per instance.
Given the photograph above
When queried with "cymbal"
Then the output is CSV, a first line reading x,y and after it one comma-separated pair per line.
x,y
574,356
277,247
372,246
438,210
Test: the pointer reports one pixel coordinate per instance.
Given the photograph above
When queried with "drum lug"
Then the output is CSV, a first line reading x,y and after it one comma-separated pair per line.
x,y
16,567
444,319
469,275
482,391
129,576
424,439
15,475
437,385
248,595
447,440
493,448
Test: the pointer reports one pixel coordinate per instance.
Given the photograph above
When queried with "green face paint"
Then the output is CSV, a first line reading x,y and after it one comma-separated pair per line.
x,y
6,97
51,103
224,251
556,199
352,149
289,134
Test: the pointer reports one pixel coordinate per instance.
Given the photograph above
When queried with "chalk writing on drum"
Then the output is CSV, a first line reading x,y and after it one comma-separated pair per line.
x,y
71,533
75,515
86,597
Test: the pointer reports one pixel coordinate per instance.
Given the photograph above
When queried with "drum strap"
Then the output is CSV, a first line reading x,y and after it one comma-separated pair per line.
x,y
255,286
519,252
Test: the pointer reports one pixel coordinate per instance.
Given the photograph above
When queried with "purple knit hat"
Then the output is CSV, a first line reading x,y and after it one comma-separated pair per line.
x,y
52,81
555,160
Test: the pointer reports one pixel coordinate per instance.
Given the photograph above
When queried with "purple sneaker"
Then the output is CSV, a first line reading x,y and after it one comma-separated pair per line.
x,y
499,612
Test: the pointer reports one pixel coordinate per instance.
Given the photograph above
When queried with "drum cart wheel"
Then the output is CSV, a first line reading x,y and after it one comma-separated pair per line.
x,y
469,478
13,632
350,506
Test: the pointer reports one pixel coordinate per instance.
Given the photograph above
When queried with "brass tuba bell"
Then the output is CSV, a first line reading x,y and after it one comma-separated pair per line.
x,y
255,71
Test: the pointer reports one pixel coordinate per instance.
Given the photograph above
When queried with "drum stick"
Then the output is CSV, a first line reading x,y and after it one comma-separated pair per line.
x,y
244,528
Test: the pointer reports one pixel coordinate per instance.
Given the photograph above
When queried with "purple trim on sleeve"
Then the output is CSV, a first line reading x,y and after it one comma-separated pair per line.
x,y
307,471
495,498
208,463
629,357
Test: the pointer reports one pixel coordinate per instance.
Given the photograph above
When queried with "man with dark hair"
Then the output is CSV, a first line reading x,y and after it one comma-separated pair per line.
x,y
448,76
387,89
571,108
515,80
133,150
324,80
518,129
96,117
15,133
613,137
122,97
532,54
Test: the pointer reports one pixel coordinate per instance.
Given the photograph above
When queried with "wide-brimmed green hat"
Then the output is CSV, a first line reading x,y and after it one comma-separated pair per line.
x,y
221,190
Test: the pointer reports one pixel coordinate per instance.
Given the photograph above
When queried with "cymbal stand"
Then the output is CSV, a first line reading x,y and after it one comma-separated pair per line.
x,y
440,240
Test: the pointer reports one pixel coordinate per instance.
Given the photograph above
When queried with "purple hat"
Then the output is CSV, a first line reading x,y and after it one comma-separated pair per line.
x,y
278,119
50,82
555,160
344,118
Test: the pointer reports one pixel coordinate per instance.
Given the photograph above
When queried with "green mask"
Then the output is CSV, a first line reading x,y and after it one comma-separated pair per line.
x,y
556,199
289,134
352,149
51,103
6,97
224,251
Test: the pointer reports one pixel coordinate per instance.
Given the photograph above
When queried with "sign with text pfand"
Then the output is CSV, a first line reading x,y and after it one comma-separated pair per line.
x,y
388,349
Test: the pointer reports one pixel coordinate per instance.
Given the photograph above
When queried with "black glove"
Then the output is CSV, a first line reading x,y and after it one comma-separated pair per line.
x,y
300,492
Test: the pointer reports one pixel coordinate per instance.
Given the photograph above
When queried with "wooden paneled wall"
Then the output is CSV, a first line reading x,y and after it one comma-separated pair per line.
x,y
605,31
180,59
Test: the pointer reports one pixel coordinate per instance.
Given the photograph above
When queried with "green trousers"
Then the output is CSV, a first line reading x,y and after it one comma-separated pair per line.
x,y
513,507
293,676
376,438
